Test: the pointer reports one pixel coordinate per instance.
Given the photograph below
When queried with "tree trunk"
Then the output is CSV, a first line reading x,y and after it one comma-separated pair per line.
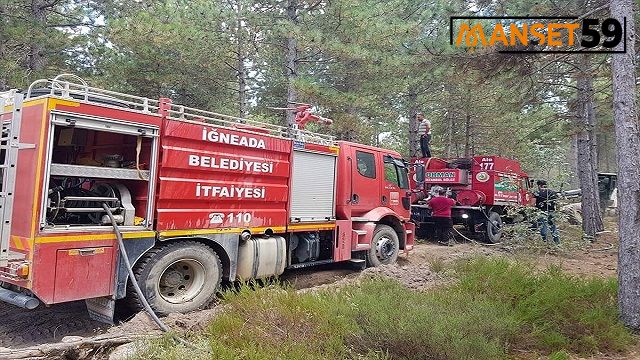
x,y
450,127
627,149
467,135
242,70
414,140
587,162
36,60
572,159
291,62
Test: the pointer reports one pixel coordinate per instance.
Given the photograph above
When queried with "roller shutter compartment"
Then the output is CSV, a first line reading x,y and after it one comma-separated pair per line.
x,y
313,187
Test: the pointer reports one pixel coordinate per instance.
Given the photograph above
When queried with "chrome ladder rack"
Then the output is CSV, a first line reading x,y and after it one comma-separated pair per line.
x,y
9,147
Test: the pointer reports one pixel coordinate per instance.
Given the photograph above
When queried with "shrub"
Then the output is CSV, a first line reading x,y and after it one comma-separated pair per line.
x,y
273,322
434,325
555,310
495,307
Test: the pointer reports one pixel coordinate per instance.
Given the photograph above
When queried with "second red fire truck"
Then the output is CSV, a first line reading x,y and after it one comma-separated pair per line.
x,y
199,198
485,189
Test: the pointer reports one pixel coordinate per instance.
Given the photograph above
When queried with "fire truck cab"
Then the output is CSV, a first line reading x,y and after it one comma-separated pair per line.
x,y
199,197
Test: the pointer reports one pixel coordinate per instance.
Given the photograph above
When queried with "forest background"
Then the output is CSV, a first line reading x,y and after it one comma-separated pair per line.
x,y
369,65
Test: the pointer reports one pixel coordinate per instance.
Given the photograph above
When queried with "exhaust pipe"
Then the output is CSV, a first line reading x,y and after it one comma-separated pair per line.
x,y
18,299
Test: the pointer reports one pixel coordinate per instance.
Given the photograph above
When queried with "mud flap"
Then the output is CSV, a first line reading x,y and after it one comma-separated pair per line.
x,y
101,309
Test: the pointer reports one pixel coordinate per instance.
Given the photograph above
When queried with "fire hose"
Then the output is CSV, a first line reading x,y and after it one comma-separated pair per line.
x,y
473,241
136,286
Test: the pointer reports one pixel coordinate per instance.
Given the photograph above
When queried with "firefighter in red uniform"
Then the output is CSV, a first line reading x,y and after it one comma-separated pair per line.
x,y
441,213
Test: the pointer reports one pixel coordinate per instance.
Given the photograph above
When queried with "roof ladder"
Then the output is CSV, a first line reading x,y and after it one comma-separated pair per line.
x,y
9,147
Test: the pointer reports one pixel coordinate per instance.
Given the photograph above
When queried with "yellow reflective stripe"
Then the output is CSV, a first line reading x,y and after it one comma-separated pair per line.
x,y
50,105
256,230
93,237
313,226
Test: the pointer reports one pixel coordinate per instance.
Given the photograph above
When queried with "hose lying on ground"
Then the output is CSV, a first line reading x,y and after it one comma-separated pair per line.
x,y
473,241
134,282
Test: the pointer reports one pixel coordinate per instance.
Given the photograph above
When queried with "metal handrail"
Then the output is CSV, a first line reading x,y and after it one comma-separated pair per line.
x,y
204,117
67,89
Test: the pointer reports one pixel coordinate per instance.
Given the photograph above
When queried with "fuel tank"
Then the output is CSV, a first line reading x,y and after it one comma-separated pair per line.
x,y
261,257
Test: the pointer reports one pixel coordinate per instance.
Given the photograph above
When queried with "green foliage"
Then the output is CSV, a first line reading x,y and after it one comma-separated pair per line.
x,y
559,355
286,323
438,325
555,310
495,307
173,50
39,39
367,64
523,236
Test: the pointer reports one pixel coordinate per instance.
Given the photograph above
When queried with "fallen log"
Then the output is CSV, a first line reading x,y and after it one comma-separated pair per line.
x,y
74,345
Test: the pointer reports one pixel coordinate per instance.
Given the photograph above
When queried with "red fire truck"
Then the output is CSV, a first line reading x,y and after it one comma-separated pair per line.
x,y
199,197
484,188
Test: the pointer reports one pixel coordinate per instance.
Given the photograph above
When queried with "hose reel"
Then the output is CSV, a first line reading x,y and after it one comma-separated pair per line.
x,y
70,203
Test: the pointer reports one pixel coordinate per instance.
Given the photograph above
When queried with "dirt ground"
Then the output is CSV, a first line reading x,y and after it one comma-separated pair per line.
x,y
417,270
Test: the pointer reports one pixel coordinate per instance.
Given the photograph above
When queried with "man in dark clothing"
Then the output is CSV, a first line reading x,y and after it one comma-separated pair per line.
x,y
424,130
441,213
546,203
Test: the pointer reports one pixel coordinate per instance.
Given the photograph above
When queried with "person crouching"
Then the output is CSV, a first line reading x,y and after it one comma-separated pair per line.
x,y
441,213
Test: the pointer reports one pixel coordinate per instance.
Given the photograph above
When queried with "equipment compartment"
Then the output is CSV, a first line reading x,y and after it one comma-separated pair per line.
x,y
313,187
89,166
83,273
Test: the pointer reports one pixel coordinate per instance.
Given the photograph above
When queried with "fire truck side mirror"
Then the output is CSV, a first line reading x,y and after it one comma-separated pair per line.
x,y
419,173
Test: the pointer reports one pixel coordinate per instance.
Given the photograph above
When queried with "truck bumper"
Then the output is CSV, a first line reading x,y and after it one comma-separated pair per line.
x,y
410,231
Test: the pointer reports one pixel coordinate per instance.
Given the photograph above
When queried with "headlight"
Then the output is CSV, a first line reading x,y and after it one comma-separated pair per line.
x,y
465,216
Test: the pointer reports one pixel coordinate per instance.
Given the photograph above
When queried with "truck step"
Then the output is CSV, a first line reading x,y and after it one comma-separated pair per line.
x,y
361,232
358,264
308,264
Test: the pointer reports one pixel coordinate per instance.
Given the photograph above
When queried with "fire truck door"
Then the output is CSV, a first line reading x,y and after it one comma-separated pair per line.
x,y
365,175
395,185
526,193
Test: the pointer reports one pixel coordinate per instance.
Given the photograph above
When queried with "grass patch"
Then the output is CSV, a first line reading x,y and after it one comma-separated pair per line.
x,y
495,307
437,265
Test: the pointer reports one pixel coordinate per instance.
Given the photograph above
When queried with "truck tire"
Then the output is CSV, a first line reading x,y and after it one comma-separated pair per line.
x,y
177,277
494,227
385,246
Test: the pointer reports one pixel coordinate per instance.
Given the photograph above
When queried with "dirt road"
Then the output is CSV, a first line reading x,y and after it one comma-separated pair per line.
x,y
22,328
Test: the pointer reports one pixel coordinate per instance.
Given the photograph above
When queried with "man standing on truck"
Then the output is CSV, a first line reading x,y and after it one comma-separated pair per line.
x,y
424,130
546,203
441,213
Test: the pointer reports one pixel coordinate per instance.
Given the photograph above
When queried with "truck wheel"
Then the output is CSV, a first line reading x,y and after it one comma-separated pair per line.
x,y
494,227
385,246
178,277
